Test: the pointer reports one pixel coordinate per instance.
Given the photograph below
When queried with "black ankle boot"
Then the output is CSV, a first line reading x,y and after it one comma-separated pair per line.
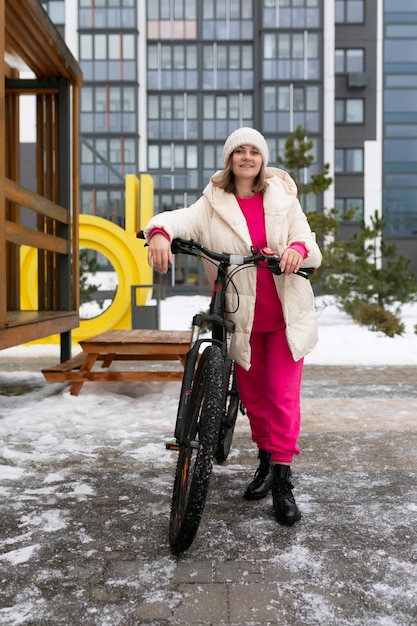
x,y
286,510
262,481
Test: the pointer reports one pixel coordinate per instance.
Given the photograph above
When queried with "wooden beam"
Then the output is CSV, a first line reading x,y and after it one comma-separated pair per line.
x,y
35,39
23,236
39,204
38,325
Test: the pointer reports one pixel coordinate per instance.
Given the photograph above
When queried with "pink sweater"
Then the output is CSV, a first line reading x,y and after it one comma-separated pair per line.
x,y
268,310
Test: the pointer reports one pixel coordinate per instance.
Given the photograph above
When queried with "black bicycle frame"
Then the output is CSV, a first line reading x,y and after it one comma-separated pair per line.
x,y
221,334
222,329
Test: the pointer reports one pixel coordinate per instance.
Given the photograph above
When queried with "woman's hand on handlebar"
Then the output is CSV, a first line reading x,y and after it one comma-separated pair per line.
x,y
159,253
291,261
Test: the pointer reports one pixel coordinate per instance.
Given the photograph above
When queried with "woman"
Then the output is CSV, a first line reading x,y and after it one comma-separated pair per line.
x,y
244,205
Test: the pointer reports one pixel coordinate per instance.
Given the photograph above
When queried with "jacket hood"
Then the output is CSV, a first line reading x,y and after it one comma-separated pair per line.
x,y
280,193
284,178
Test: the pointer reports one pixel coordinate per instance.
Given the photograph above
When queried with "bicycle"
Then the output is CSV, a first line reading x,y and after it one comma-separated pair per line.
x,y
209,398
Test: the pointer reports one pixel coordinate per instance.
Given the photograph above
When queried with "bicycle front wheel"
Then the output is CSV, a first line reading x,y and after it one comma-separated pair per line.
x,y
196,453
229,416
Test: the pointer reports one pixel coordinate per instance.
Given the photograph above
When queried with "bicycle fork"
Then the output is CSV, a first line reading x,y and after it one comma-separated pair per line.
x,y
186,386
221,329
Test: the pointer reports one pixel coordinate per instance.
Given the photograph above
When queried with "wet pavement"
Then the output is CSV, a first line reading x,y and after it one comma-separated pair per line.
x,y
98,552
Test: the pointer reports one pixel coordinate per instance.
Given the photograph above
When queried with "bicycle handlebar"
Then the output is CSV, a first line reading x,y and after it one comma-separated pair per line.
x,y
265,255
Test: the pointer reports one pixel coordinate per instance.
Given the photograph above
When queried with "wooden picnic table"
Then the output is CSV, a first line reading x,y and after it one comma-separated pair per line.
x,y
122,345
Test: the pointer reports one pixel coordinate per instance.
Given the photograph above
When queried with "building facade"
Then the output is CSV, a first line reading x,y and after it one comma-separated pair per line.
x,y
165,82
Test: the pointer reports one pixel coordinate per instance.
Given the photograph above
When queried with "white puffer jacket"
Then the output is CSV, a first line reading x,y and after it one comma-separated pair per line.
x,y
217,222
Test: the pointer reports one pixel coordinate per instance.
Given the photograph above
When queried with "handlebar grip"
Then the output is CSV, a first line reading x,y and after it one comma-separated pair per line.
x,y
305,271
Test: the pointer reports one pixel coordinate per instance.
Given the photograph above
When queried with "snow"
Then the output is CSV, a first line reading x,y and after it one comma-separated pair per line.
x,y
341,342
53,444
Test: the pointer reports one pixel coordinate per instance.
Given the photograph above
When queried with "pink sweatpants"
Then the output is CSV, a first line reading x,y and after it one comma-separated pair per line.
x,y
270,392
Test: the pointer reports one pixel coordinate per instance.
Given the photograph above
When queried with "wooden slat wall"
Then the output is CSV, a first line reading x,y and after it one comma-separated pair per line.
x,y
41,238
30,200
27,33
23,236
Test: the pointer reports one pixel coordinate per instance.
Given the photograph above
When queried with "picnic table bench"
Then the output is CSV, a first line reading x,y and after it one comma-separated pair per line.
x,y
122,345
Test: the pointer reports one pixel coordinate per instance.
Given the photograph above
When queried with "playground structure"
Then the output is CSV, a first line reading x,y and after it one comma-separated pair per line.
x,y
45,218
41,231
123,251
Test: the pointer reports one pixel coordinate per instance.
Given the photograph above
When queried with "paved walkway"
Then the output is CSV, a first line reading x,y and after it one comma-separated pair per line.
x,y
352,560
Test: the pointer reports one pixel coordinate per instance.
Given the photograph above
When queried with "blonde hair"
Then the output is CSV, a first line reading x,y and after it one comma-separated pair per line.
x,y
225,179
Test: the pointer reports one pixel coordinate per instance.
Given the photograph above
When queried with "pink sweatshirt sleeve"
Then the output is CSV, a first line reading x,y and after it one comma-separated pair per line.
x,y
159,231
299,247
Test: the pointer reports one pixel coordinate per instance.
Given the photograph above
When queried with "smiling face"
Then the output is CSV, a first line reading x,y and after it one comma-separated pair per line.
x,y
246,163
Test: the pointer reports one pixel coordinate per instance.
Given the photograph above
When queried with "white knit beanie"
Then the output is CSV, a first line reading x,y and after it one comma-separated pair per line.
x,y
246,136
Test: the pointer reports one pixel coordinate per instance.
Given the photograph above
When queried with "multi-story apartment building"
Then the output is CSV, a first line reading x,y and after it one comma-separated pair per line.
x,y
166,81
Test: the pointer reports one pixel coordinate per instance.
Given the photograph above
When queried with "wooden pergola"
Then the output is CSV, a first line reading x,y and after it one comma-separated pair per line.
x,y
45,218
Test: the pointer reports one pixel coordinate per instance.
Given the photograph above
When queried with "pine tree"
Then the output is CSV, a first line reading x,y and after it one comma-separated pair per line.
x,y
367,277
297,159
88,266
371,280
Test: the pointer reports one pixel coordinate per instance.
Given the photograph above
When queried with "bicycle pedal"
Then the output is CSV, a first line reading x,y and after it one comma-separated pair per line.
x,y
176,446
172,446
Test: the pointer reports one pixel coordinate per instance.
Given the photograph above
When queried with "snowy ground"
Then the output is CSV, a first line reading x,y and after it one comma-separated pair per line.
x,y
85,487
340,341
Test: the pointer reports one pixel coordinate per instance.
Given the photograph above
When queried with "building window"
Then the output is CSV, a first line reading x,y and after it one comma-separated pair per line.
x,y
172,20
222,114
108,56
349,111
350,11
55,10
400,118
212,160
291,56
288,106
348,161
109,109
174,166
172,67
400,105
172,116
228,19
172,157
349,60
400,150
107,14
107,203
291,14
106,160
342,205
227,67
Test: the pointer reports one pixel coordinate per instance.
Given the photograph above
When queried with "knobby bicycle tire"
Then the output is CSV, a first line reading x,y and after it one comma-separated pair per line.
x,y
195,459
229,414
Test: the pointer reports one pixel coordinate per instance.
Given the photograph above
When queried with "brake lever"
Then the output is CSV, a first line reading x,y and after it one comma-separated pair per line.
x,y
275,269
